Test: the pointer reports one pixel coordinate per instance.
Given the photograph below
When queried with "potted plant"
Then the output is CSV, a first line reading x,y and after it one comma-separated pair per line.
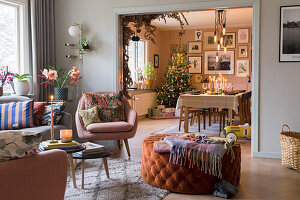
x,y
149,74
22,85
84,43
5,78
56,76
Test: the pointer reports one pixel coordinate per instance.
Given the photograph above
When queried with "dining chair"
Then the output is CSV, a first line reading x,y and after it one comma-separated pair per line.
x,y
196,113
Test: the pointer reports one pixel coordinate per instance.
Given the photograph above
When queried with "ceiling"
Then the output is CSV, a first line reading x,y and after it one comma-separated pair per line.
x,y
236,17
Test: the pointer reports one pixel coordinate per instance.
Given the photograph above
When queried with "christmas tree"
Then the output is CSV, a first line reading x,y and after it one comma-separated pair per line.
x,y
177,79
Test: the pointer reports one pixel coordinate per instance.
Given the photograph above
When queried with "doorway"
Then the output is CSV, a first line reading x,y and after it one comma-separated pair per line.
x,y
254,4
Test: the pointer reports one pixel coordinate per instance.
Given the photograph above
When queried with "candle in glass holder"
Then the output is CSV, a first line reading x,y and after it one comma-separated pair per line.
x,y
66,135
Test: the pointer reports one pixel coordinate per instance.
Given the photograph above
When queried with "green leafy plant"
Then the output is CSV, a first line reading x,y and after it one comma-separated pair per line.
x,y
23,77
84,43
149,71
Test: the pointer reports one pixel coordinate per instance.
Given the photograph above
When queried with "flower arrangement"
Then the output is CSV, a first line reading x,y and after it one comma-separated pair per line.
x,y
6,77
149,71
56,76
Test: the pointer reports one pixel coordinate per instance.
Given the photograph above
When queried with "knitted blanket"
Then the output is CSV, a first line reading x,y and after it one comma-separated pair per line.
x,y
200,151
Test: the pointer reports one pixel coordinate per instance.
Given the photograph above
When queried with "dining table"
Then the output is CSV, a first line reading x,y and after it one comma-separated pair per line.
x,y
221,101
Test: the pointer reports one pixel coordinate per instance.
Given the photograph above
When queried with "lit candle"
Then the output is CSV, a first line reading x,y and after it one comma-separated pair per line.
x,y
52,122
66,135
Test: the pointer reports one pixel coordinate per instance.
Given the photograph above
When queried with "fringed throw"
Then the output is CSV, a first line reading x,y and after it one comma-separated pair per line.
x,y
203,152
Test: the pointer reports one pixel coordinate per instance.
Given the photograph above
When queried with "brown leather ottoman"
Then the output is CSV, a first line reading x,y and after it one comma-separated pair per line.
x,y
158,172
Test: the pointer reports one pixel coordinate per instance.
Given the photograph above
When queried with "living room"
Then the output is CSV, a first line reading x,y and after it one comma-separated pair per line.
x,y
85,39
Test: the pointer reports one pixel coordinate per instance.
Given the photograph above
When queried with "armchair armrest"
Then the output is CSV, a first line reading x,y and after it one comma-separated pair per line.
x,y
131,116
66,120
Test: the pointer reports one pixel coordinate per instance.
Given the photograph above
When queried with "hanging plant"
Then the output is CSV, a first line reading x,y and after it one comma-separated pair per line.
x,y
138,21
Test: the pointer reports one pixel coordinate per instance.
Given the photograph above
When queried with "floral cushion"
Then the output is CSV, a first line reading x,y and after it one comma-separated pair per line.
x,y
18,144
110,105
57,114
89,116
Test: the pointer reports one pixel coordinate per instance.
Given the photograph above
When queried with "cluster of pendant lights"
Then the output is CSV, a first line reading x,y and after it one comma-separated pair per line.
x,y
219,34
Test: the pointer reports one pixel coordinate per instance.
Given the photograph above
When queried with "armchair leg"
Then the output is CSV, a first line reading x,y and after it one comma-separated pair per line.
x,y
127,147
120,144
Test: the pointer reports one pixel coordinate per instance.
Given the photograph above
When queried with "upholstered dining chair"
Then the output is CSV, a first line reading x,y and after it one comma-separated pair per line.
x,y
121,130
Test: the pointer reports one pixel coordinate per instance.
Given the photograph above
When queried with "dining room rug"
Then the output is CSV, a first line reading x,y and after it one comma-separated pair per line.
x,y
124,183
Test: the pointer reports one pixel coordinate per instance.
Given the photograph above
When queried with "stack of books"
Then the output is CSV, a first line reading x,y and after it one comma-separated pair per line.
x,y
91,148
44,146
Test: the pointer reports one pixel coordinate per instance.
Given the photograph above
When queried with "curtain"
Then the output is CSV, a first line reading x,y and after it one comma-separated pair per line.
x,y
42,43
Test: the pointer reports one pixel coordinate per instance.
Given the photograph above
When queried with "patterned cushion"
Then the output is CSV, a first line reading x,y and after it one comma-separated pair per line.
x,y
38,110
110,105
57,114
16,115
89,116
18,144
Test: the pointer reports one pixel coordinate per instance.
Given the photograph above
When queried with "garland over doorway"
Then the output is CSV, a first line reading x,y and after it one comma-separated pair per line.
x,y
138,21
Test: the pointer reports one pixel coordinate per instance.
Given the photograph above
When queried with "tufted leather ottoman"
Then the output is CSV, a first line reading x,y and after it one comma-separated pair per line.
x,y
157,171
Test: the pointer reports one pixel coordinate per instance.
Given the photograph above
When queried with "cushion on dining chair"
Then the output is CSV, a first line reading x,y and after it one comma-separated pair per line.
x,y
109,127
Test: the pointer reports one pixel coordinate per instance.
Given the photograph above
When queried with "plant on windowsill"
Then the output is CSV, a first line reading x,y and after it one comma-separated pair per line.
x,y
6,77
22,85
57,77
149,74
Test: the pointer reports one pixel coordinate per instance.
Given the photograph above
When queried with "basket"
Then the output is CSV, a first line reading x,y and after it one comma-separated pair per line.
x,y
290,148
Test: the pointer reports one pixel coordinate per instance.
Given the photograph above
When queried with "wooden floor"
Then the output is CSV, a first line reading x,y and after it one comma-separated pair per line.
x,y
261,178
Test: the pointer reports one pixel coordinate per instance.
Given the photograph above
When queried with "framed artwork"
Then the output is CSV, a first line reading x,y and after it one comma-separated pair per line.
x,y
242,67
243,35
224,65
198,78
198,35
156,60
229,40
195,47
196,64
243,51
209,40
289,42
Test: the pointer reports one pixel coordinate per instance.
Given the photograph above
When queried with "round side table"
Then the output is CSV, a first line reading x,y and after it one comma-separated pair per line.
x,y
103,155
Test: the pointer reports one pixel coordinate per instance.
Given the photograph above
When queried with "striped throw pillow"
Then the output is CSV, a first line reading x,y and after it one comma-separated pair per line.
x,y
16,115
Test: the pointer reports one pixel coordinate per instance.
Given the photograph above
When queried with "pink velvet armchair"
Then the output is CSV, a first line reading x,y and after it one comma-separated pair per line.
x,y
122,130
42,176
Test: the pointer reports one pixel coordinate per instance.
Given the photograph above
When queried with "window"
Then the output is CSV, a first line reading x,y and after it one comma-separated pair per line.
x,y
137,57
11,37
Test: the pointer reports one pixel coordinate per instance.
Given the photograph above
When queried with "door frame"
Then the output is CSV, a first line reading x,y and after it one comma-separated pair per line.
x,y
255,76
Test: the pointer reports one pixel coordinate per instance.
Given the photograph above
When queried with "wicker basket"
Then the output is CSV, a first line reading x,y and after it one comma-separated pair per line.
x,y
290,148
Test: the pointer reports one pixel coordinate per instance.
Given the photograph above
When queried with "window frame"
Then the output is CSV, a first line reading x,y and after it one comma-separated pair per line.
x,y
22,33
136,47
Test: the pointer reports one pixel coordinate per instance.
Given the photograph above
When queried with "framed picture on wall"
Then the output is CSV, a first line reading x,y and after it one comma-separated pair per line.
x,y
289,46
156,60
242,67
195,47
209,40
196,64
243,35
229,40
224,65
243,51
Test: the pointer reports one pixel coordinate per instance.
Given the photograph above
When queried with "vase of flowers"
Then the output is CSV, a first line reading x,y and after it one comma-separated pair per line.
x,y
6,77
60,80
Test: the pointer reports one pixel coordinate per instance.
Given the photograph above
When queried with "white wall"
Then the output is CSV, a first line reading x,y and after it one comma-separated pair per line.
x,y
279,82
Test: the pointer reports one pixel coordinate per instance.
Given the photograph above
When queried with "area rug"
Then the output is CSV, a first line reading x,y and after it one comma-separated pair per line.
x,y
125,182
212,130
